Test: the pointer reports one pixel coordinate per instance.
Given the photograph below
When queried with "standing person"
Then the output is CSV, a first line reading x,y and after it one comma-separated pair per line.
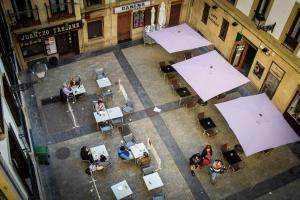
x,y
86,154
206,155
195,162
215,170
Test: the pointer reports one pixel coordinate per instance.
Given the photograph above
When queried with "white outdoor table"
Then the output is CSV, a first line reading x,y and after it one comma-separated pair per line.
x,y
103,82
138,150
115,112
153,181
101,117
121,190
97,151
78,90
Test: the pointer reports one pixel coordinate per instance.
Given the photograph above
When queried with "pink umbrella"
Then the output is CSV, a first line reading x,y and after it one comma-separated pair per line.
x,y
210,75
257,123
179,38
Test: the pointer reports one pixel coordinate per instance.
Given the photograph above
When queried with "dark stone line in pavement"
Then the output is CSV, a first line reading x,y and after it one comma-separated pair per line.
x,y
70,134
268,185
133,79
181,162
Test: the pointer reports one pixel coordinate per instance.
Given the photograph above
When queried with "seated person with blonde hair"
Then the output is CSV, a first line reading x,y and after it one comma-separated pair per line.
x,y
144,161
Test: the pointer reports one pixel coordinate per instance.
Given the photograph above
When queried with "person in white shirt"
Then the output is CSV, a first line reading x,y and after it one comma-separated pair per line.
x,y
67,90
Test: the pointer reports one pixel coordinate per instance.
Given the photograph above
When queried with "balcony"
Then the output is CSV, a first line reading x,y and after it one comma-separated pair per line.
x,y
24,18
60,11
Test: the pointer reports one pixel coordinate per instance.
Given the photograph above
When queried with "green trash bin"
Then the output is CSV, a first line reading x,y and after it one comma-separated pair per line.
x,y
41,153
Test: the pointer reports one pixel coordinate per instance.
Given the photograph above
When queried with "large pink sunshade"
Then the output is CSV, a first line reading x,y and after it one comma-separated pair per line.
x,y
257,123
179,38
210,75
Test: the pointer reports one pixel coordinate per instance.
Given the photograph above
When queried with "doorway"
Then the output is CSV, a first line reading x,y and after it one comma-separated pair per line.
x,y
175,14
124,22
242,56
67,43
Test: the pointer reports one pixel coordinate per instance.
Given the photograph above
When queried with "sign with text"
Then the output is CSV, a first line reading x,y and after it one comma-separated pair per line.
x,y
49,31
133,6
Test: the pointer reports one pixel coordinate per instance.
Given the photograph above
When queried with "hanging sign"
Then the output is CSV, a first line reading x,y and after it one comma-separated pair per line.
x,y
133,6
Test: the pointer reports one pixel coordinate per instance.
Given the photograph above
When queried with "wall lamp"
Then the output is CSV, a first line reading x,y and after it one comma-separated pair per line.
x,y
214,7
234,24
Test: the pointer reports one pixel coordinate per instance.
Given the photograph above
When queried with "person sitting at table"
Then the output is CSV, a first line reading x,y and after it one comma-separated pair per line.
x,y
86,154
195,162
124,154
100,106
144,161
206,155
67,90
93,168
75,82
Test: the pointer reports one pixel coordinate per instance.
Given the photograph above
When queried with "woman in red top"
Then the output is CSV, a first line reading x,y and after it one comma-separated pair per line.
x,y
206,155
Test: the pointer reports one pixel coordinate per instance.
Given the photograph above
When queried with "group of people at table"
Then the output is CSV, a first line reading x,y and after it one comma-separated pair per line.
x,y
70,90
198,161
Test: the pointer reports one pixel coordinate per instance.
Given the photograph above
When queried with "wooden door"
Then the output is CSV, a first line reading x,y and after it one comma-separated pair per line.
x,y
65,43
124,26
175,14
238,54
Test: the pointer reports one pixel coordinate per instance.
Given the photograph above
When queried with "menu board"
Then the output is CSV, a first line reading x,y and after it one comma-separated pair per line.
x,y
50,45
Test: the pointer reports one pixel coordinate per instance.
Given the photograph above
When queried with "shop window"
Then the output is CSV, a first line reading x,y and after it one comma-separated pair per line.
x,y
205,13
58,6
95,29
224,29
138,19
232,1
32,50
294,109
93,2
292,38
261,10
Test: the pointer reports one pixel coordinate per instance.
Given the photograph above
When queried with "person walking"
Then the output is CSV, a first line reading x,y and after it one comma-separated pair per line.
x,y
195,162
215,170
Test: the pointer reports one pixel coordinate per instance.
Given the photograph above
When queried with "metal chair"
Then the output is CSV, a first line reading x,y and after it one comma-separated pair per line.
x,y
71,97
159,197
100,73
128,107
129,140
117,122
105,127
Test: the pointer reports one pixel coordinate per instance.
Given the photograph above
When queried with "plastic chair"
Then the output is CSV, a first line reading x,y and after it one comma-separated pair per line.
x,y
148,170
105,127
117,122
129,140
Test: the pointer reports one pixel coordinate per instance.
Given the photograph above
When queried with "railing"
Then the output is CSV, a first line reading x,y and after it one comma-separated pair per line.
x,y
24,18
60,11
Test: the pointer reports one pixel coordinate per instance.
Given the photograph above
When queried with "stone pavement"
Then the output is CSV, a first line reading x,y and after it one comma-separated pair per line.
x,y
175,133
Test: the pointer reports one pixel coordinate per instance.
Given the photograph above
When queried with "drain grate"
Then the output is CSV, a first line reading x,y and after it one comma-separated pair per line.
x,y
62,153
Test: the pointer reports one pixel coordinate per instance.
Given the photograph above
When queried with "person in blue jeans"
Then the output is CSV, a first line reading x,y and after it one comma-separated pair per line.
x,y
124,154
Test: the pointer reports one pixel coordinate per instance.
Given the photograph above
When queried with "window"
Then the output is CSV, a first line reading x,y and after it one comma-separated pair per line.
x,y
232,2
138,19
32,50
224,28
261,9
294,109
293,36
22,9
93,2
205,13
95,29
58,6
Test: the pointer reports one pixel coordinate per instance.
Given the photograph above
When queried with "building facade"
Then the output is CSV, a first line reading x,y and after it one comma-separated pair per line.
x,y
50,30
18,170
